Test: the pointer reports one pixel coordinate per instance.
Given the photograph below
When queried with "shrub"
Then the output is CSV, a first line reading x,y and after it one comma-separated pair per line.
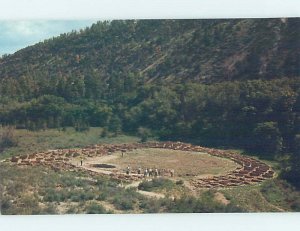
x,y
50,209
7,137
268,139
205,204
115,125
94,208
30,205
5,204
272,192
102,196
150,205
125,199
179,182
281,193
296,205
157,183
16,188
72,210
124,203
144,134
81,126
104,132
54,196
292,173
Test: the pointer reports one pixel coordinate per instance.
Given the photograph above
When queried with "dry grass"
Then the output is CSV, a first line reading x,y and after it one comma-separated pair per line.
x,y
250,198
183,162
36,141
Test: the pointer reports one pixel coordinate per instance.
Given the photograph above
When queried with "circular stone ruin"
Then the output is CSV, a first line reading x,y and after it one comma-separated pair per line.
x,y
247,171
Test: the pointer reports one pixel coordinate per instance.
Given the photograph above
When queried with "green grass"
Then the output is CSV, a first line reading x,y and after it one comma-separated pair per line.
x,y
94,208
250,198
205,203
157,185
35,141
281,194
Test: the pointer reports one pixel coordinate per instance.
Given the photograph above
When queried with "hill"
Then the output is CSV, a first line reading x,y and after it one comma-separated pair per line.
x,y
198,50
233,83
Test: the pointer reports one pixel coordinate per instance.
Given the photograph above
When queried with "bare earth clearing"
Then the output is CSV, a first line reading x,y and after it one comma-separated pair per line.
x,y
184,163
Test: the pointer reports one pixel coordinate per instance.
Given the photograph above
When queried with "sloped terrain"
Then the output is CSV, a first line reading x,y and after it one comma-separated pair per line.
x,y
173,50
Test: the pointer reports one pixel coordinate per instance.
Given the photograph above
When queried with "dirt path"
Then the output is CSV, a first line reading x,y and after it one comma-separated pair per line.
x,y
135,184
151,194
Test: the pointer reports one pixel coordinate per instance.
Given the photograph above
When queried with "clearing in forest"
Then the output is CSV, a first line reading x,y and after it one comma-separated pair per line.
x,y
184,163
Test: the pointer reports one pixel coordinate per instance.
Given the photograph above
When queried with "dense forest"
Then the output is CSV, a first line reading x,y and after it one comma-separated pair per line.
x,y
232,83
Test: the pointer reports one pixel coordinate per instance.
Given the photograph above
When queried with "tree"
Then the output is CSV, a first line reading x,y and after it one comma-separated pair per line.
x,y
115,125
292,173
267,138
144,133
7,137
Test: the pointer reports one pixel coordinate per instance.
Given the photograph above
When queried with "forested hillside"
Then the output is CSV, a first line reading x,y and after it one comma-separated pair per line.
x,y
199,50
214,82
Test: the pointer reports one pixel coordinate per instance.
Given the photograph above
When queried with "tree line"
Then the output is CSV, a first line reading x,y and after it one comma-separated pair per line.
x,y
256,115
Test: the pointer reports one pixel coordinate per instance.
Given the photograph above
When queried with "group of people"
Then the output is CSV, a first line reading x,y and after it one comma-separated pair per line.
x,y
151,172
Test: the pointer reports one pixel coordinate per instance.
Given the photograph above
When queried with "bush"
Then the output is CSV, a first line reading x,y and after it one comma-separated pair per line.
x,y
267,138
81,126
125,200
272,192
292,173
124,203
158,183
281,193
115,125
144,134
102,196
55,196
94,208
104,132
5,204
179,182
72,210
205,204
7,137
50,209
150,205
30,205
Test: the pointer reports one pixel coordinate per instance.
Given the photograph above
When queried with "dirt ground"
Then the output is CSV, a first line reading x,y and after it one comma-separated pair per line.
x,y
184,163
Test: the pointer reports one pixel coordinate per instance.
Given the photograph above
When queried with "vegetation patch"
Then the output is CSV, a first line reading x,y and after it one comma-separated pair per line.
x,y
157,184
281,194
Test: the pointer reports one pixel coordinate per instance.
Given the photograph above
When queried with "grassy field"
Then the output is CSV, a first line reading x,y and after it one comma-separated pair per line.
x,y
40,190
33,141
